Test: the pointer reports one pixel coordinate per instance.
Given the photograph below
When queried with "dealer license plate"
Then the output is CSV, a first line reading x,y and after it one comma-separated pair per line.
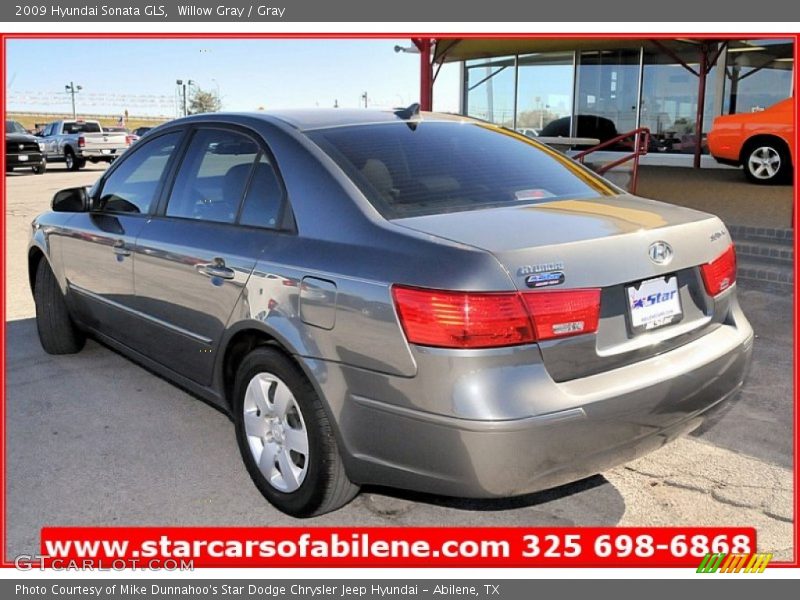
x,y
654,303
22,157
105,151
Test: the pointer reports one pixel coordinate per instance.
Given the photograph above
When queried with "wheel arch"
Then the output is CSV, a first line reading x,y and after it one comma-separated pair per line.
x,y
237,343
763,138
247,336
35,256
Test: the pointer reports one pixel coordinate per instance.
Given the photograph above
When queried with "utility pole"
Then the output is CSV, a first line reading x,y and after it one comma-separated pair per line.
x,y
365,99
182,86
73,89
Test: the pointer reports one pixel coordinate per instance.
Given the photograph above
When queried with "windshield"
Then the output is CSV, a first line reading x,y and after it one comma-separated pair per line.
x,y
14,127
411,169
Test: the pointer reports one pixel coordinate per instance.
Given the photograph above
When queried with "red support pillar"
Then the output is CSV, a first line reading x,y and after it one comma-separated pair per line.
x,y
425,73
701,104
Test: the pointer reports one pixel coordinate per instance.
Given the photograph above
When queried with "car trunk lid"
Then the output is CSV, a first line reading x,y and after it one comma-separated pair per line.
x,y
599,243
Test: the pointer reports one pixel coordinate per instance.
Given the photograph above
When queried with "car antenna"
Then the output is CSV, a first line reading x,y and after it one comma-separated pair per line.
x,y
412,110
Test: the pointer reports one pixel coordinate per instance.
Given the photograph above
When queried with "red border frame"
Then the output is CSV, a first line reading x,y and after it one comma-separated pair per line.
x,y
393,35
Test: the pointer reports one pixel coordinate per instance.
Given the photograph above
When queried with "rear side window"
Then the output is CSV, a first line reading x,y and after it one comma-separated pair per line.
x,y
212,178
264,199
132,186
438,167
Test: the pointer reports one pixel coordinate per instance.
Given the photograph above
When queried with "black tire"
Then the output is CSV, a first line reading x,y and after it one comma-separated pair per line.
x,y
57,333
40,168
325,487
757,153
73,162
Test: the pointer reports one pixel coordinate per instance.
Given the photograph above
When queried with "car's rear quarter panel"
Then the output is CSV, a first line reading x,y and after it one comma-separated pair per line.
x,y
342,240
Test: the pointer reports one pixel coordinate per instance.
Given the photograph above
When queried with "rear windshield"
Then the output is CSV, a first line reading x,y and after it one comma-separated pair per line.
x,y
81,127
437,167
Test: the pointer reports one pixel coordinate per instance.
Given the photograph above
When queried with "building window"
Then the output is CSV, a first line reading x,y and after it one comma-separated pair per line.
x,y
758,74
490,88
607,97
670,95
544,91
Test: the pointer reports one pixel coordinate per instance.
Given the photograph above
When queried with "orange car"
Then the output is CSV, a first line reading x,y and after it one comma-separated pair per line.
x,y
761,142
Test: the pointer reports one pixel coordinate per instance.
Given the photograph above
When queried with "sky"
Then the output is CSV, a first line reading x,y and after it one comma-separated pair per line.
x,y
140,75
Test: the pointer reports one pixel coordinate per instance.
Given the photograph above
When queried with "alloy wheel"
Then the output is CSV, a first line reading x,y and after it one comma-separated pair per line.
x,y
764,162
276,432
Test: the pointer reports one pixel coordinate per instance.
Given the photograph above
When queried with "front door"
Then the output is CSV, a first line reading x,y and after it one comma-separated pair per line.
x,y
98,252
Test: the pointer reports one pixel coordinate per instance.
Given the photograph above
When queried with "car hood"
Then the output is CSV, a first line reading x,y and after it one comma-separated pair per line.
x,y
20,137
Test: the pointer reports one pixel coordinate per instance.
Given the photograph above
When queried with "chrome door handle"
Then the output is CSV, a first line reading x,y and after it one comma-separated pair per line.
x,y
120,249
217,269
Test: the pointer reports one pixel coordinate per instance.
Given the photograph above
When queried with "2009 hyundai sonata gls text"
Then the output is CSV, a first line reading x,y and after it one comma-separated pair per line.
x,y
415,300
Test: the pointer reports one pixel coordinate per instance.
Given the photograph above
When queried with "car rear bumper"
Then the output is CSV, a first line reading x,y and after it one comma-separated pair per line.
x,y
600,421
92,154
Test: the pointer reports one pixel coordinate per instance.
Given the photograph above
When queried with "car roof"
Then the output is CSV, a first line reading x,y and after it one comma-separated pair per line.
x,y
324,118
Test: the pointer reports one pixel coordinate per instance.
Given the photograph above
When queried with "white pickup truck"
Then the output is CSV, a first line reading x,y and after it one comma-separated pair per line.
x,y
77,141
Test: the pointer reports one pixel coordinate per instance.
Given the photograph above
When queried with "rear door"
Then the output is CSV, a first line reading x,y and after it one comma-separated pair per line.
x,y
194,258
98,250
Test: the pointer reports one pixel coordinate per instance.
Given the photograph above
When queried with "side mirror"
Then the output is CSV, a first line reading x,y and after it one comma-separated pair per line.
x,y
71,200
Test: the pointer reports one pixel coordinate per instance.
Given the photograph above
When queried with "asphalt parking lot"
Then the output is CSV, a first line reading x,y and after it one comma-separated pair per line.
x,y
94,439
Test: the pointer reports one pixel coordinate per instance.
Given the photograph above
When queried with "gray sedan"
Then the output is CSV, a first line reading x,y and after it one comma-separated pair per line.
x,y
398,298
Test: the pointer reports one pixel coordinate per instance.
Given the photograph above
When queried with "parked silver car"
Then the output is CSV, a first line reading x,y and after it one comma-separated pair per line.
x,y
415,300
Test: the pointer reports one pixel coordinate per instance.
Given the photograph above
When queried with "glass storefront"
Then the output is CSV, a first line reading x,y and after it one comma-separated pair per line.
x,y
600,93
490,86
758,73
607,98
544,90
670,96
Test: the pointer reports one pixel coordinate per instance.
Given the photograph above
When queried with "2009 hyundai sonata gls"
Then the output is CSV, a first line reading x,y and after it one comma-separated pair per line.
x,y
414,300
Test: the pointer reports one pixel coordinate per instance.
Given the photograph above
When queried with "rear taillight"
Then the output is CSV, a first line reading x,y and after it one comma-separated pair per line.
x,y
462,319
128,140
450,319
720,273
563,313
81,141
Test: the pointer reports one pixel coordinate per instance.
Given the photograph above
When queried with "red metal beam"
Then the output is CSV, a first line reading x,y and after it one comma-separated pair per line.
x,y
701,104
424,45
674,56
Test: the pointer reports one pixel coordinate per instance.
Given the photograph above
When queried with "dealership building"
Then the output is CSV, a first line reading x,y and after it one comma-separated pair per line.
x,y
674,87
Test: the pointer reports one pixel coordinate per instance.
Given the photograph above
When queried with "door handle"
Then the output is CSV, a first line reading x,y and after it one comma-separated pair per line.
x,y
217,269
120,249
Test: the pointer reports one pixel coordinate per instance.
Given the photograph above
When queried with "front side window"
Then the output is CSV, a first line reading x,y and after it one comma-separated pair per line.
x,y
212,178
409,170
132,186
